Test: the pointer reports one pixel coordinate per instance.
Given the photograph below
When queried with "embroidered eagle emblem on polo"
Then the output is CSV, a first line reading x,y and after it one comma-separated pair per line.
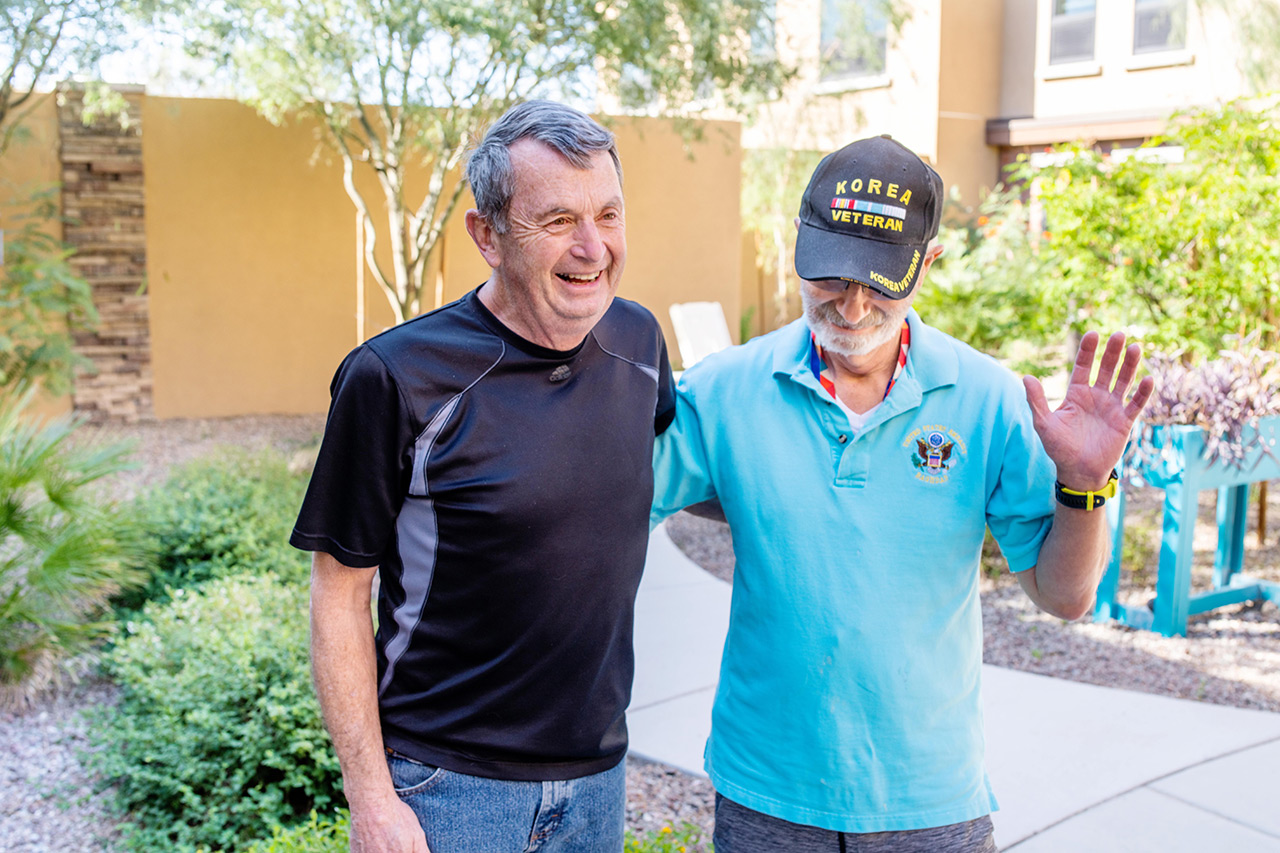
x,y
933,453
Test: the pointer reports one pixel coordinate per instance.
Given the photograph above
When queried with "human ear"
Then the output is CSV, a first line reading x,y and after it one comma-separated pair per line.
x,y
485,237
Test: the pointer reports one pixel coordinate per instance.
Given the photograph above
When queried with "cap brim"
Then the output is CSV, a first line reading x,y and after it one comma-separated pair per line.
x,y
890,269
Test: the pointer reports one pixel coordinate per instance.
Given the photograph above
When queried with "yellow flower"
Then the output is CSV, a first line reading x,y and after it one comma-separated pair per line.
x,y
666,829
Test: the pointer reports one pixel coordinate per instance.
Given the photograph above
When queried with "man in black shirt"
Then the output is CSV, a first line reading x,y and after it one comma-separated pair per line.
x,y
491,461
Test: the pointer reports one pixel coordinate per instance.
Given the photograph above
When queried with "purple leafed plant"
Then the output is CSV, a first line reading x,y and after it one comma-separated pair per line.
x,y
1222,397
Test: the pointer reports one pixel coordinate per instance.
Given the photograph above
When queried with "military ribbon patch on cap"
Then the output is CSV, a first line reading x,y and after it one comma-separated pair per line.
x,y
869,207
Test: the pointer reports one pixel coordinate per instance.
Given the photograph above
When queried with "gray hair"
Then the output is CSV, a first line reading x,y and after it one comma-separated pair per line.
x,y
572,133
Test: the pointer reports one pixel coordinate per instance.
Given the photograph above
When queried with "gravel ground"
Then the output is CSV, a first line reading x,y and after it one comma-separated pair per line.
x,y
47,803
1230,656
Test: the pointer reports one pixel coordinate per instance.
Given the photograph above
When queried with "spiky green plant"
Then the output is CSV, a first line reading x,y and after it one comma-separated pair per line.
x,y
63,549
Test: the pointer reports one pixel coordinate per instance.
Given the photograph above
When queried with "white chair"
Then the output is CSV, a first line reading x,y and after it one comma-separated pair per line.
x,y
701,329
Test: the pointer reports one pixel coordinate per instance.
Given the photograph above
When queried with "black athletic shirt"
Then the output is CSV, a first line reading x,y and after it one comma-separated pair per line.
x,y
503,489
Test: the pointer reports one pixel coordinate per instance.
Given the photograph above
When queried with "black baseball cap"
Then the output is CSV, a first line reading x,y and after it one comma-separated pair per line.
x,y
868,215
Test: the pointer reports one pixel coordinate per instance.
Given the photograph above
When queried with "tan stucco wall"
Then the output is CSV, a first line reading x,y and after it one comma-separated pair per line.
x,y
249,261
684,234
251,251
31,163
1018,59
969,93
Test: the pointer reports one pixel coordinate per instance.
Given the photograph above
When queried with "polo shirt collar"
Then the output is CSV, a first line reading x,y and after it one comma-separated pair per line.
x,y
931,362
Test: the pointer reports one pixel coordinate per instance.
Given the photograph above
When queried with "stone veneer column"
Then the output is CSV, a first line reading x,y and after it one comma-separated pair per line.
x,y
102,199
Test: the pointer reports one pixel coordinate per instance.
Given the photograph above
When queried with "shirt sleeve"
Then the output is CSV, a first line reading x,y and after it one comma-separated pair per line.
x,y
665,412
680,471
362,471
1020,509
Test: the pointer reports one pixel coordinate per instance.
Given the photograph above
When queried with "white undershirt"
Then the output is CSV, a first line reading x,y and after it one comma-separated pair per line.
x,y
856,421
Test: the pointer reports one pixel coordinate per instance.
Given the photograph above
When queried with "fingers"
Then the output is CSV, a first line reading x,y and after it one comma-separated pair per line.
x,y
1110,358
1132,357
1084,359
1035,398
1140,396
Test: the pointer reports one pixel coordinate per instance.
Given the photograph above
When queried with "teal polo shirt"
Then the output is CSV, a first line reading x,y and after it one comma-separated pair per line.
x,y
849,686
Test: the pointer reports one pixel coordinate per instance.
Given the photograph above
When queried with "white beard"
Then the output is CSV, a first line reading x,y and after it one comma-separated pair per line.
x,y
835,334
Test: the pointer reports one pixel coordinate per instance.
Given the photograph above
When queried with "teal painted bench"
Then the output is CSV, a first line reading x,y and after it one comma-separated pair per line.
x,y
1179,469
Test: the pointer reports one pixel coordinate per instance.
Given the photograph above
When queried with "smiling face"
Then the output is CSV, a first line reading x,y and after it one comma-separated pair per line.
x,y
560,261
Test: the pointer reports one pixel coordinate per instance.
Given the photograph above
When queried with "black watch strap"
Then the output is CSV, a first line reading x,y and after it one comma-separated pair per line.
x,y
1087,501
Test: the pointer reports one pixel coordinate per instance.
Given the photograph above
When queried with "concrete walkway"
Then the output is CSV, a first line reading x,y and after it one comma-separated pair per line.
x,y
1075,767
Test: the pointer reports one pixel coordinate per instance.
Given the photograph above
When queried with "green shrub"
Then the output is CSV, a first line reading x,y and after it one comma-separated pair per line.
x,y
986,288
220,516
318,835
63,552
42,300
689,838
217,737
331,835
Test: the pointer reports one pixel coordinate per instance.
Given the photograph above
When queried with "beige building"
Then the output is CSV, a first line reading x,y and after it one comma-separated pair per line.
x,y
969,84
1110,72
222,250
972,84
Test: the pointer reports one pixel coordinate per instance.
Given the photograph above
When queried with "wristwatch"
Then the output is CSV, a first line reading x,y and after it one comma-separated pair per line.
x,y
1087,501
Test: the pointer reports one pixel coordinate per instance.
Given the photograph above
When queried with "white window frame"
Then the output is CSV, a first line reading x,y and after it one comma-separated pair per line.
x,y
852,80
1081,60
1166,49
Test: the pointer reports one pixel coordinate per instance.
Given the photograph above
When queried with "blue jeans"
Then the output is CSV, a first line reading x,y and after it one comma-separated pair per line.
x,y
470,814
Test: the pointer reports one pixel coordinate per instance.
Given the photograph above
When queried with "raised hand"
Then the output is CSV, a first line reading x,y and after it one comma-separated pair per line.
x,y
1086,435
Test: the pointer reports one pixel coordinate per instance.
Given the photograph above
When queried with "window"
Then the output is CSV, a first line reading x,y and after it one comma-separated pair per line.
x,y
764,34
1159,25
1071,33
854,39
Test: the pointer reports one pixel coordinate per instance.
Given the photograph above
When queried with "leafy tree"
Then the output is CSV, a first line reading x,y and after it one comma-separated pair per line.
x,y
41,298
773,179
39,295
1258,34
1183,253
43,39
399,84
985,288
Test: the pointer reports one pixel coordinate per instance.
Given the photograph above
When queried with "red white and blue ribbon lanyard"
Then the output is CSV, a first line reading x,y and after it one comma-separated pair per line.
x,y
826,377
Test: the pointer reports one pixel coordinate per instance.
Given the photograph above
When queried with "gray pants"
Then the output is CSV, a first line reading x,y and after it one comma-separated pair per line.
x,y
743,830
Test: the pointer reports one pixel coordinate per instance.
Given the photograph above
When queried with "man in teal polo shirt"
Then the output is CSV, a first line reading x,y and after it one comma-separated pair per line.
x,y
859,455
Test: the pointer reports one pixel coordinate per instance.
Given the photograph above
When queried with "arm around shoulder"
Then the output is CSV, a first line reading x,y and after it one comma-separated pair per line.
x,y
681,471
